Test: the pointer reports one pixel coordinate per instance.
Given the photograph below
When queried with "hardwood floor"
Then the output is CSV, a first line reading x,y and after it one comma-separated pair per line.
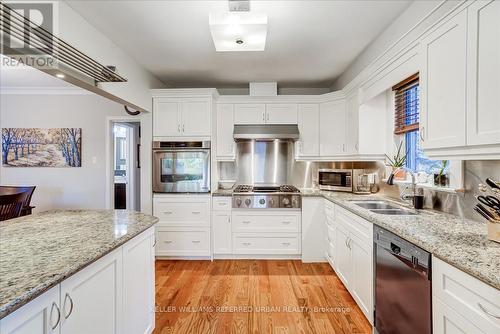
x,y
253,296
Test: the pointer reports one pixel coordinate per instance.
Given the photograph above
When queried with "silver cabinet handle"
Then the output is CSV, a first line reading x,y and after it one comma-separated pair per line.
x,y
485,310
178,128
245,222
345,242
285,243
349,243
356,146
246,244
195,212
183,128
195,241
167,213
66,297
168,241
264,116
58,315
422,136
286,222
154,243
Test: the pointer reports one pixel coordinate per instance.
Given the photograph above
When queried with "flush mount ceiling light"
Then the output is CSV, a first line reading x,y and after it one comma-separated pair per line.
x,y
238,31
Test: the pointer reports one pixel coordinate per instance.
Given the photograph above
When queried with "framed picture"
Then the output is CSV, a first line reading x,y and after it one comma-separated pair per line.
x,y
33,147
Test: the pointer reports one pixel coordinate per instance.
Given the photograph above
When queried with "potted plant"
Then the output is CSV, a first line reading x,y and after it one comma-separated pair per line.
x,y
440,177
398,161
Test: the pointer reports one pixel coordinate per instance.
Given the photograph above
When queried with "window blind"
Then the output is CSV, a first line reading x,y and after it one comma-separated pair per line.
x,y
407,106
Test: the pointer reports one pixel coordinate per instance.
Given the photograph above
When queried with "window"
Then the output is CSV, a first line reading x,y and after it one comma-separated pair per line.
x,y
406,124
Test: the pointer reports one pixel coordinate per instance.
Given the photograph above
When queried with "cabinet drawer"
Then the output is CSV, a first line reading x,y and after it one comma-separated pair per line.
x,y
176,213
362,228
266,223
175,242
255,243
221,203
467,295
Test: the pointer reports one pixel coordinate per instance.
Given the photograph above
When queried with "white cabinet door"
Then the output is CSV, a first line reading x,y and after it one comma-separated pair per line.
x,y
343,255
250,113
445,320
332,128
91,299
221,232
443,84
225,127
352,124
313,229
362,276
40,316
167,117
196,118
483,75
138,284
281,114
308,120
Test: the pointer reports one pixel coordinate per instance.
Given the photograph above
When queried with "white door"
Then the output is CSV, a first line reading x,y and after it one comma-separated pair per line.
x,y
342,255
281,113
167,117
225,127
40,316
332,133
251,113
308,120
446,320
138,284
362,276
483,75
221,232
196,118
91,299
352,125
443,84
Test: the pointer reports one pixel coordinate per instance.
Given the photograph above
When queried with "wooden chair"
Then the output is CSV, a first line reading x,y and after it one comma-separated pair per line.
x,y
11,205
29,190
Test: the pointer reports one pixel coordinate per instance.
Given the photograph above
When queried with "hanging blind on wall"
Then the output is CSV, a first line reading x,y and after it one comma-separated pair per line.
x,y
407,106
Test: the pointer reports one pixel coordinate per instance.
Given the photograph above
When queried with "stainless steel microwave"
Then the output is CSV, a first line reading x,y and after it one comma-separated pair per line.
x,y
335,179
181,167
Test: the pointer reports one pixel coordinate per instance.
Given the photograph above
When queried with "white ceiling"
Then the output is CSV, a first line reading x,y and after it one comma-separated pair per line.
x,y
309,43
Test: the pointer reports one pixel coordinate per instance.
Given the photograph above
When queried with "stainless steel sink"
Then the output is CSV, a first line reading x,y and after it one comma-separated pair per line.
x,y
383,208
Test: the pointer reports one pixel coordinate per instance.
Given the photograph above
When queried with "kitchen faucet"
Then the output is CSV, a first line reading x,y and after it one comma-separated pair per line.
x,y
390,181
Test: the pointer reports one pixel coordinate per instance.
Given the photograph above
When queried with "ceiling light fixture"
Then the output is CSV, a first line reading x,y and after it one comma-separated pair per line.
x,y
60,75
238,31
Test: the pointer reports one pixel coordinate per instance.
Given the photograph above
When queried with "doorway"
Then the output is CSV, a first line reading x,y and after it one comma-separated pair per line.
x,y
126,139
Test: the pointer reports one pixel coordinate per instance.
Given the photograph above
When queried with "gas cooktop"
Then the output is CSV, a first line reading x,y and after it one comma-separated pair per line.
x,y
266,197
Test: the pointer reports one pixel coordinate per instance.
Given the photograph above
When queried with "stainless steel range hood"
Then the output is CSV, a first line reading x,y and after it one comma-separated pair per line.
x,y
266,132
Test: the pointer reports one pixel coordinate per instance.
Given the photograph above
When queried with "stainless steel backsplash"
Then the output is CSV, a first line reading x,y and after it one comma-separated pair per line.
x,y
274,163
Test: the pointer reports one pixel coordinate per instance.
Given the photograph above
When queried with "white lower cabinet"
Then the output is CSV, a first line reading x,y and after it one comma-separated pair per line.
x,y
462,303
221,225
115,294
313,230
350,252
184,226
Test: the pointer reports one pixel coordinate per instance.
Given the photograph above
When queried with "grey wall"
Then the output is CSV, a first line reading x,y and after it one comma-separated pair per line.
x,y
72,188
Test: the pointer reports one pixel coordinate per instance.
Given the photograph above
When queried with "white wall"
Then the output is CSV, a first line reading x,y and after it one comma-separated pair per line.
x,y
419,16
64,188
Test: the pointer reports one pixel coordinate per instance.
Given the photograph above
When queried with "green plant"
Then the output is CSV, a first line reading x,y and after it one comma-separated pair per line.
x,y
399,159
443,167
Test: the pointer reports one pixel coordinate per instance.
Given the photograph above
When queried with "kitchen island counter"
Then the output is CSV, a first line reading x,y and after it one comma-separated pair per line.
x,y
37,252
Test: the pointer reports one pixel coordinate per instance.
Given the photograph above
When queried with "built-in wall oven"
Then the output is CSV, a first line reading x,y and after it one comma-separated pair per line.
x,y
181,167
335,179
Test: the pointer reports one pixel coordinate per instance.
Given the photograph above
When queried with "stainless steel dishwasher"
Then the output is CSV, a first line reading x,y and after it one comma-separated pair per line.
x,y
402,285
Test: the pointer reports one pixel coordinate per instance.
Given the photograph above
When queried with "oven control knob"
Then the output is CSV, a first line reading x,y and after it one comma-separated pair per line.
x,y
286,201
271,202
238,201
262,201
248,201
295,203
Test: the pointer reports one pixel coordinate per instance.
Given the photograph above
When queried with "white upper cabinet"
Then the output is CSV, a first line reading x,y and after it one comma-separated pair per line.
x,y
443,86
308,120
225,127
178,117
281,114
352,135
196,118
483,73
332,128
250,113
167,117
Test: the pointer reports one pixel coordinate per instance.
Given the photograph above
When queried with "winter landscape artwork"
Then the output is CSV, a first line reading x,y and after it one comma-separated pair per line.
x,y
58,147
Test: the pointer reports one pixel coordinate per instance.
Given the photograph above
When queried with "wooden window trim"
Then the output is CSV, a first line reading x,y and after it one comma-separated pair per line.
x,y
400,114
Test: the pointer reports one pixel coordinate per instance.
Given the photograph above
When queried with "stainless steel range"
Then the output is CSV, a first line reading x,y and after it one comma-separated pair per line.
x,y
266,197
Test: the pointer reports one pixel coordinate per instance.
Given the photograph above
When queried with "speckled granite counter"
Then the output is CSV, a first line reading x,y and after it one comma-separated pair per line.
x,y
223,192
457,241
37,252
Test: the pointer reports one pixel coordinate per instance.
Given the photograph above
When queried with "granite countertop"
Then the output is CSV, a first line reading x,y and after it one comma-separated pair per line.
x,y
458,241
39,251
223,192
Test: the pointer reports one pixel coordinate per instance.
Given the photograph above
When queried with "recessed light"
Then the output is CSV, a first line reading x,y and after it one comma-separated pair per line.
x,y
239,41
60,75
